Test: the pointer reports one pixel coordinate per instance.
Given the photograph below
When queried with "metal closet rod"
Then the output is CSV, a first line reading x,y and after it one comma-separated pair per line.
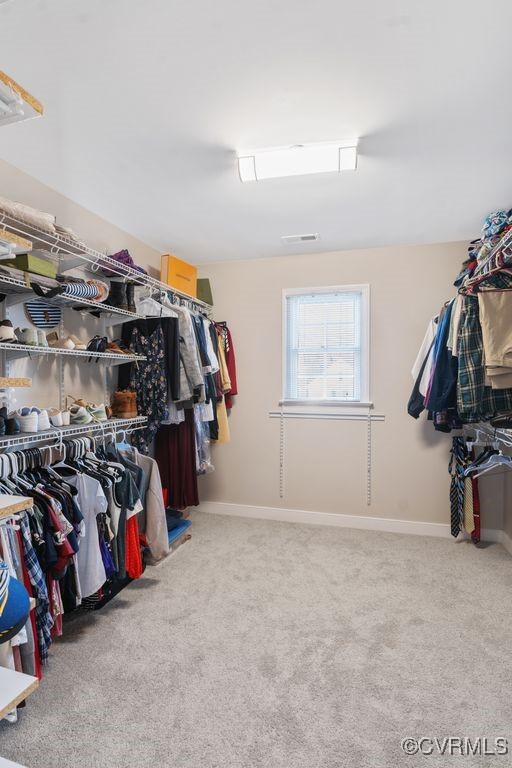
x,y
59,245
61,433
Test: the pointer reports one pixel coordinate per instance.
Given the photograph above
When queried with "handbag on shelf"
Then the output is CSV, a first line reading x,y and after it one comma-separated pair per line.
x,y
124,259
42,314
97,344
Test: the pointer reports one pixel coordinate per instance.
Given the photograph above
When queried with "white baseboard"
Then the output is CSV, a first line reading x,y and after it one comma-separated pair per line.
x,y
506,541
388,525
325,518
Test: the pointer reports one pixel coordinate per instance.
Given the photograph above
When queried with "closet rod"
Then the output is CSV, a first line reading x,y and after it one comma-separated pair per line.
x,y
61,433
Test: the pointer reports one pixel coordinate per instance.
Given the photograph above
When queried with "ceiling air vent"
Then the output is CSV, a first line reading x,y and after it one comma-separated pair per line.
x,y
292,239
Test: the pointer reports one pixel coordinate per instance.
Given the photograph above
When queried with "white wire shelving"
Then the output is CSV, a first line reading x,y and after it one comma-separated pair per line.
x,y
15,351
101,428
18,290
72,253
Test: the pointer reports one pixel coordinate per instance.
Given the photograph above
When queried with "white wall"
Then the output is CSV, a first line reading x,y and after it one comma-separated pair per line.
x,y
325,461
81,379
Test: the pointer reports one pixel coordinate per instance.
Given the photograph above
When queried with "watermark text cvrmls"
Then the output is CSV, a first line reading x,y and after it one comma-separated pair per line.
x,y
455,745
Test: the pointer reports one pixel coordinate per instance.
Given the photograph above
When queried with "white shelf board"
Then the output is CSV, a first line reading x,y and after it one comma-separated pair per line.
x,y
9,764
14,688
9,505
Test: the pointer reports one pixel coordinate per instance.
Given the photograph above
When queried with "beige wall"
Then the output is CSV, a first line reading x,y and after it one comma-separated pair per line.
x,y
95,231
325,463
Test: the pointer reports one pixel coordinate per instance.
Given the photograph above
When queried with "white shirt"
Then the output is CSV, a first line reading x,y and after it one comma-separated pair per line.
x,y
92,501
429,337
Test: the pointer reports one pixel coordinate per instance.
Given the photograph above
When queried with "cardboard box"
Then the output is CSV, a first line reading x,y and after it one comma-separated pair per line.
x,y
179,274
31,262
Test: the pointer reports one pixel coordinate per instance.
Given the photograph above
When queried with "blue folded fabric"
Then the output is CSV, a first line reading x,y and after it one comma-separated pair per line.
x,y
14,604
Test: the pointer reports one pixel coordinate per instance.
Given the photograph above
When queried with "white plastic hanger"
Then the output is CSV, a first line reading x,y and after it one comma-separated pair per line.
x,y
497,460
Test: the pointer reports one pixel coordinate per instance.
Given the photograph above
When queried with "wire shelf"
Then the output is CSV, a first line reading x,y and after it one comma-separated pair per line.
x,y
13,285
62,246
103,428
15,350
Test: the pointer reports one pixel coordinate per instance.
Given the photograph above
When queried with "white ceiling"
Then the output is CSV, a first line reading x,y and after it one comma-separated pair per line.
x,y
146,103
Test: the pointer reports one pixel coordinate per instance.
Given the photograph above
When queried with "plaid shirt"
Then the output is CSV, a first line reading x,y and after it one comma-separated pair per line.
x,y
475,401
44,620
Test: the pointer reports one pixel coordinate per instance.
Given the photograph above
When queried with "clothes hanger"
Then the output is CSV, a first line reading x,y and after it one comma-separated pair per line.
x,y
496,460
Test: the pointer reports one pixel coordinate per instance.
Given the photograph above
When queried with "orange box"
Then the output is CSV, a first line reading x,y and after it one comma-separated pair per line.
x,y
179,274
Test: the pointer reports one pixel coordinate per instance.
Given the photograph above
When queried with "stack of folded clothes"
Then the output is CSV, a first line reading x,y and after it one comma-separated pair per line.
x,y
174,518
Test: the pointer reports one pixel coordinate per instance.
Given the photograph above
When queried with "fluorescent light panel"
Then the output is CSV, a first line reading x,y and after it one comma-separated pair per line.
x,y
297,160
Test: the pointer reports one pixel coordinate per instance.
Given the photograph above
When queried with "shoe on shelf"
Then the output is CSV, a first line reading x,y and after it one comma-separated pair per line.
x,y
9,424
55,417
124,404
76,341
79,415
118,347
56,343
118,295
7,332
43,422
76,401
98,412
27,336
41,339
12,424
28,419
130,297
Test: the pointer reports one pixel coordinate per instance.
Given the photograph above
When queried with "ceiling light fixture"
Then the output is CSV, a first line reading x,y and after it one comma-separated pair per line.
x,y
297,160
15,103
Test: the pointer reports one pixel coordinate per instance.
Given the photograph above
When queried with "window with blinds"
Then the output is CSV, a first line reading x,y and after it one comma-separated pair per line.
x,y
326,344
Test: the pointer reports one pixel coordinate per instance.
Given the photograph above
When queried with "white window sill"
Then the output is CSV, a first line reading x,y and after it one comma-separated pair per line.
x,y
334,404
322,409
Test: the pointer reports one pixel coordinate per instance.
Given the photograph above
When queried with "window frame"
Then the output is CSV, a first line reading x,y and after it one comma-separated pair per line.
x,y
364,290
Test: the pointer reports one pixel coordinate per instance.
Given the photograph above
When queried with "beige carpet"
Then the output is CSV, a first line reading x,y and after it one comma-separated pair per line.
x,y
273,645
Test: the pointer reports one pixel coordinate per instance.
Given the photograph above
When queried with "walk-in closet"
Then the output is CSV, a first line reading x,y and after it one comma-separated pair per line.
x,y
255,384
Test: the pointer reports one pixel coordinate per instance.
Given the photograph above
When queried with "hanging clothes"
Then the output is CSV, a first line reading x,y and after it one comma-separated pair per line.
x,y
228,349
176,457
148,380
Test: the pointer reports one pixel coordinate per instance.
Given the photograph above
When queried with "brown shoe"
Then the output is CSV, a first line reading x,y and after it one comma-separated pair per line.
x,y
124,404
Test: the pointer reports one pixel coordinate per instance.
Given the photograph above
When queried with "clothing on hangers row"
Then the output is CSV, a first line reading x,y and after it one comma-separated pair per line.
x,y
185,388
463,371
95,505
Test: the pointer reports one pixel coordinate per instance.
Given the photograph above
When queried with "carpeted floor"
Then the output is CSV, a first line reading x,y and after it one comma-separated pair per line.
x,y
273,645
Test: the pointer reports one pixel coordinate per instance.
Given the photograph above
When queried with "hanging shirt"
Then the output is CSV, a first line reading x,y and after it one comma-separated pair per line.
x,y
93,502
426,349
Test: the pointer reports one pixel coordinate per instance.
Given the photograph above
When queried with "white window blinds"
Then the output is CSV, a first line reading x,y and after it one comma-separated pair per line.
x,y
324,336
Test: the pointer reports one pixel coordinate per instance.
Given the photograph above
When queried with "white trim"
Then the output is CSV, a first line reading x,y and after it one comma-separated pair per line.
x,y
326,403
506,541
327,518
364,289
384,524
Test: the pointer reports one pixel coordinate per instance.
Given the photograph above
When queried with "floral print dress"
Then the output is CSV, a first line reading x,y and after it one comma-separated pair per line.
x,y
148,379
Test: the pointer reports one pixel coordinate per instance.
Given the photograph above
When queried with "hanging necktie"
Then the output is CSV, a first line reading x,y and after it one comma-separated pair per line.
x,y
456,470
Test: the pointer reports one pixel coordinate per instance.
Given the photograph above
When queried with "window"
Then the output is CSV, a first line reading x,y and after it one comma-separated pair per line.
x,y
326,344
